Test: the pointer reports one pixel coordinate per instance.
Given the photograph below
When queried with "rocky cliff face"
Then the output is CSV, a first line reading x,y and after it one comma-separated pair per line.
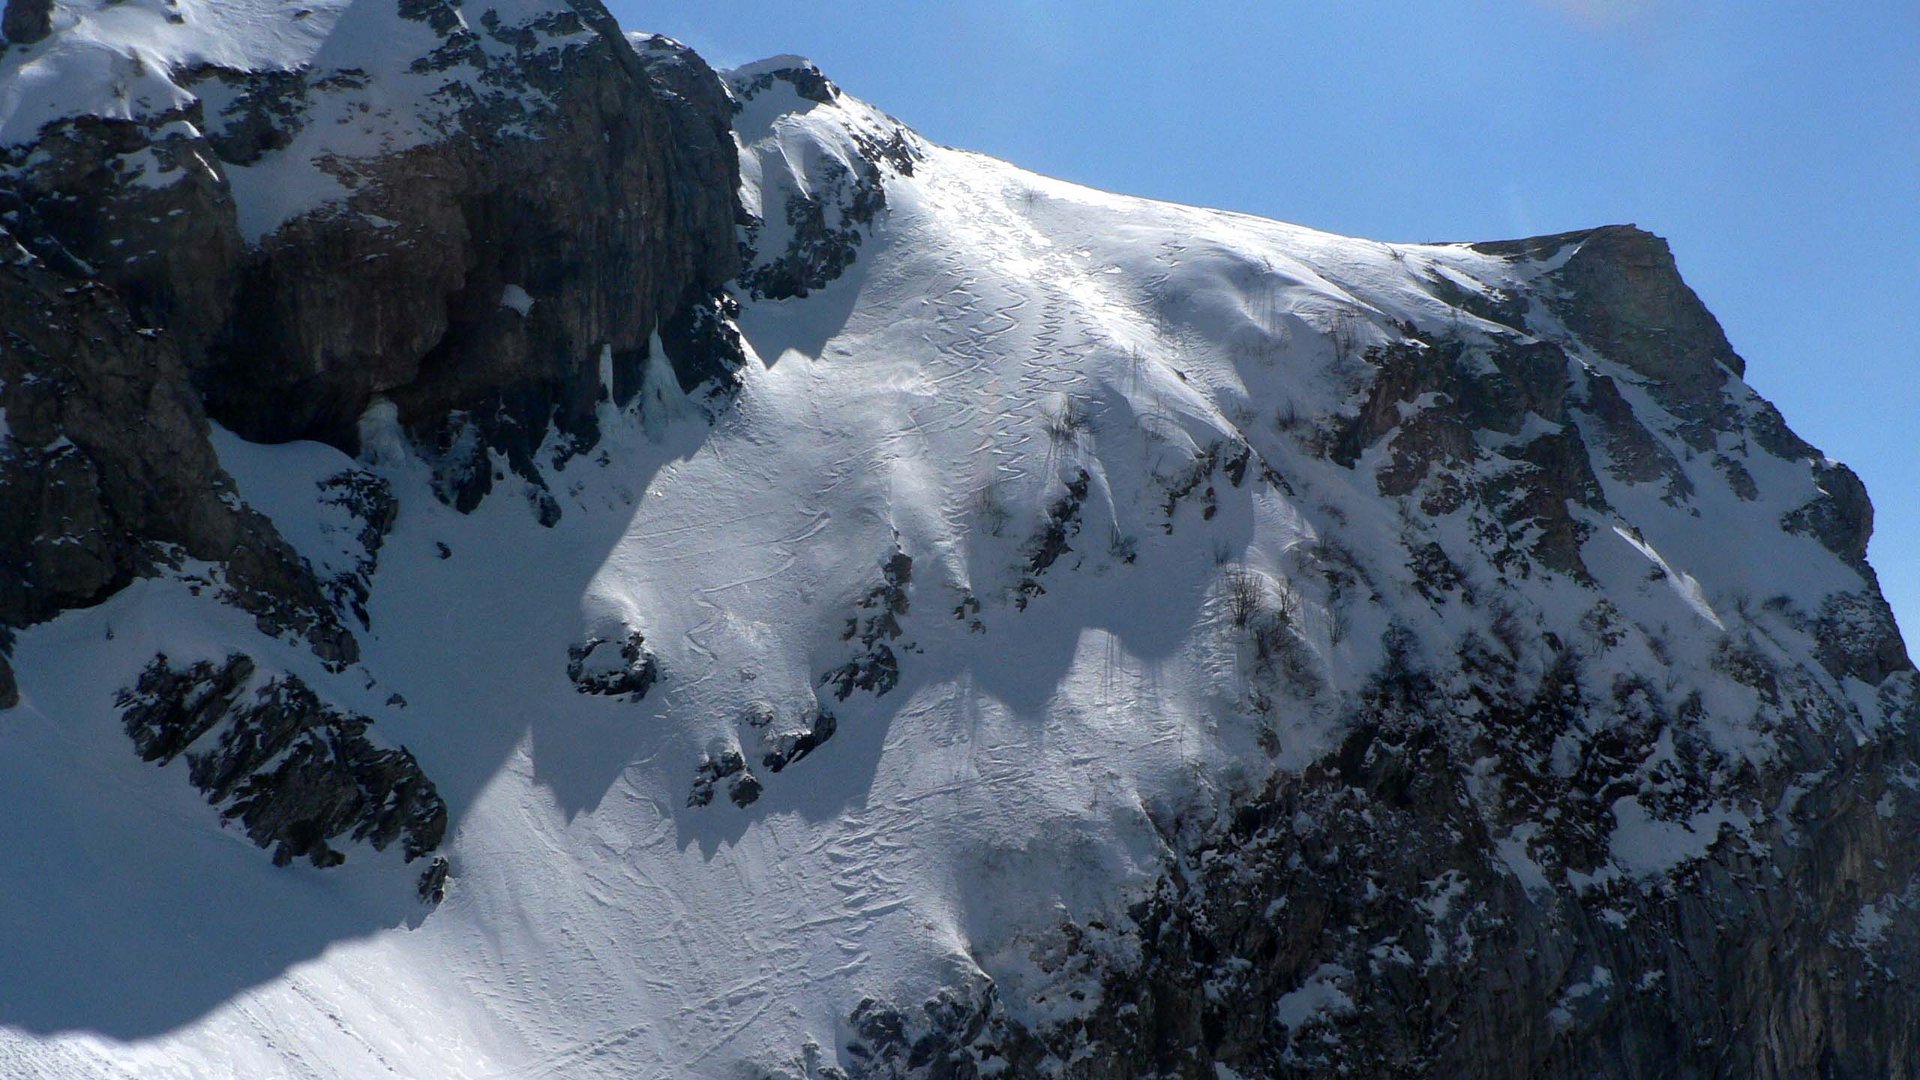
x,y
1132,640
466,219
471,224
106,473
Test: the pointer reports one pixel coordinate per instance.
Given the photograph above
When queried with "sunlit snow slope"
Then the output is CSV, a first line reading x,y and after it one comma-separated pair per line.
x,y
1139,576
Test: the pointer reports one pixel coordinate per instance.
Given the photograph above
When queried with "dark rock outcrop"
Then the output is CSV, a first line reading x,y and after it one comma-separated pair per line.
x,y
1621,293
108,474
550,205
1062,524
367,501
1453,416
1635,454
26,21
783,748
744,788
1857,637
824,230
140,207
611,209
433,880
877,669
613,668
807,81
555,169
1840,517
296,773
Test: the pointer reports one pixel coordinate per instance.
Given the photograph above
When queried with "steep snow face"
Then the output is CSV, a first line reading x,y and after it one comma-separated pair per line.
x,y
1046,524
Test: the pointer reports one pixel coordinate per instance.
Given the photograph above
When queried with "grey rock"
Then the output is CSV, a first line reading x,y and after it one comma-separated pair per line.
x,y
787,747
367,499
824,232
1622,294
296,773
433,880
877,669
745,790
1461,451
1230,459
112,475
613,205
1739,480
714,768
1046,546
1363,917
139,207
132,294
1840,517
1634,453
613,669
1857,636
829,220
614,212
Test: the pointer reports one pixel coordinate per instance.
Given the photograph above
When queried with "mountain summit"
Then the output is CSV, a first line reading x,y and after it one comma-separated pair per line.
x,y
523,555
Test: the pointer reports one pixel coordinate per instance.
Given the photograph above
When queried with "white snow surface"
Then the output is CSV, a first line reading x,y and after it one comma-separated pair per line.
x,y
999,332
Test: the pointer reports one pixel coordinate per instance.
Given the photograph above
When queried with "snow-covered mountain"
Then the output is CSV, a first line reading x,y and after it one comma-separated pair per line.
x,y
501,584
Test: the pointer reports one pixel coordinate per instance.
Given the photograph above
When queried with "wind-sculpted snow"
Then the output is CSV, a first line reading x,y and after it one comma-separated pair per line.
x,y
1129,639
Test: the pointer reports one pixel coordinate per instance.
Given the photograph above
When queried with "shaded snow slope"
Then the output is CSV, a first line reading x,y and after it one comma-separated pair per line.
x,y
1148,563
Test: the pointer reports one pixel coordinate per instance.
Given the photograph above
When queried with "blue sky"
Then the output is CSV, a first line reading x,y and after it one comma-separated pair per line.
x,y
1776,145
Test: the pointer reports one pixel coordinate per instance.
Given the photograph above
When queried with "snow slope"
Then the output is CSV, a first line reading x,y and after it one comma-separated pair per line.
x,y
1010,360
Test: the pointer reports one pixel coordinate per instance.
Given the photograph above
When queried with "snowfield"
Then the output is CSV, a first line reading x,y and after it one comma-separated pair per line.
x,y
1086,421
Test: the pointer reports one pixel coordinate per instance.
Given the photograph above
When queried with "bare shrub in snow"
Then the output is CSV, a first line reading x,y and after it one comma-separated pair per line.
x,y
1067,421
1339,623
1506,627
1269,612
1243,589
990,509
1661,645
1344,332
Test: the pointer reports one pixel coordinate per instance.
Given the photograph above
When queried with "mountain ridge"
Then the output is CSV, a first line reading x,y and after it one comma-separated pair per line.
x,y
1130,639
